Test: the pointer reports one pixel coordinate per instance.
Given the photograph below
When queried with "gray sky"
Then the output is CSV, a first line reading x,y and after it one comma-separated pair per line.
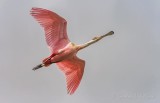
x,y
123,68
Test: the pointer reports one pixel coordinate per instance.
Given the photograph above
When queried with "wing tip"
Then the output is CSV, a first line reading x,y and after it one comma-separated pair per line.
x,y
37,9
72,88
71,92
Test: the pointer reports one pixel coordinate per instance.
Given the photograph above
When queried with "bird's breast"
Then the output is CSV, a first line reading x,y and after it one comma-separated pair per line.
x,y
67,52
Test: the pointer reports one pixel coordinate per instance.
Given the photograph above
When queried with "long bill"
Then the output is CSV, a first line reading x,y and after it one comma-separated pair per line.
x,y
94,40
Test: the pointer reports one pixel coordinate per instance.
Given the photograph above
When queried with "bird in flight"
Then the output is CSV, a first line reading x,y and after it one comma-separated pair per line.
x,y
63,51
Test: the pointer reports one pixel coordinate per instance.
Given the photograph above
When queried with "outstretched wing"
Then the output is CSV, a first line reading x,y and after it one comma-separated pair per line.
x,y
54,27
73,69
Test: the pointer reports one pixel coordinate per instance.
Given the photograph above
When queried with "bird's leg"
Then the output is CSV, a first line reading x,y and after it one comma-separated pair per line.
x,y
46,62
95,39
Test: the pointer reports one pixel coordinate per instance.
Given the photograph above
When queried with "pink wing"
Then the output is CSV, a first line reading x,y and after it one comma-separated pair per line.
x,y
54,26
73,69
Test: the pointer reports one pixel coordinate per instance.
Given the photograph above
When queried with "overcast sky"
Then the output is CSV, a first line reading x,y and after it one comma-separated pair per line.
x,y
123,68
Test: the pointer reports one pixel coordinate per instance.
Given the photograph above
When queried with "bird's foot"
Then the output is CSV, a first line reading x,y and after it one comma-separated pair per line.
x,y
38,66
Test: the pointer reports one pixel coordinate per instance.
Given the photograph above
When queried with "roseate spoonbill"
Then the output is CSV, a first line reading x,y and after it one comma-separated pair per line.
x,y
63,52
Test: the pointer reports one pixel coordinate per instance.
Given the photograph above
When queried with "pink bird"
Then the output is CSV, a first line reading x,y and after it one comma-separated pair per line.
x,y
63,52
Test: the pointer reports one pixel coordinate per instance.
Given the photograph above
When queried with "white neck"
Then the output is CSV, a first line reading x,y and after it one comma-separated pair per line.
x,y
94,40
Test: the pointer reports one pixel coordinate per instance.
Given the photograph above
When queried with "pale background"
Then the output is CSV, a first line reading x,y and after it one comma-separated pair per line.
x,y
123,68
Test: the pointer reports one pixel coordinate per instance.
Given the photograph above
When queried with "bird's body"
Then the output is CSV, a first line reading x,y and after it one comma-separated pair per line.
x,y
63,51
